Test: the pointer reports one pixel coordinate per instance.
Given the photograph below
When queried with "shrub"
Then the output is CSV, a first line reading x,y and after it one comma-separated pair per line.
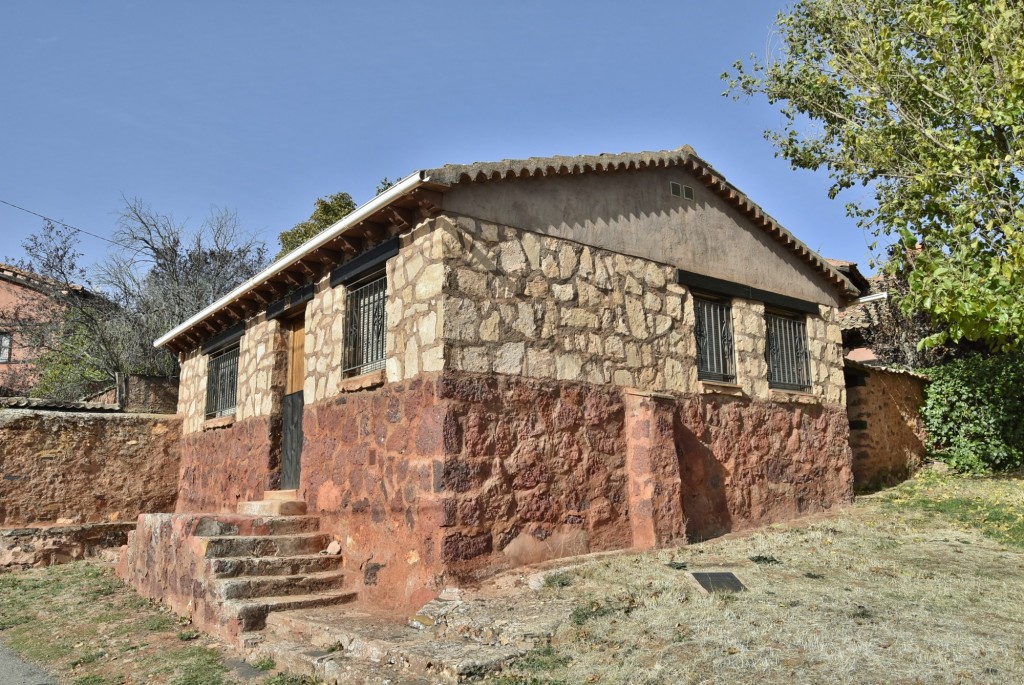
x,y
974,413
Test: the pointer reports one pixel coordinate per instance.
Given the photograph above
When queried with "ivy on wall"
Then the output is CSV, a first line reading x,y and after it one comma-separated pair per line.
x,y
974,413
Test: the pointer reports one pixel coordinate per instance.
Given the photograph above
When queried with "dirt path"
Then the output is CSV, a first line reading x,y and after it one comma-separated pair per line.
x,y
14,671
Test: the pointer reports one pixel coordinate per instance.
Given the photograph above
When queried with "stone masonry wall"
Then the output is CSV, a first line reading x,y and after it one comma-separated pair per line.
x,y
325,332
522,304
887,432
262,362
416,279
192,391
76,467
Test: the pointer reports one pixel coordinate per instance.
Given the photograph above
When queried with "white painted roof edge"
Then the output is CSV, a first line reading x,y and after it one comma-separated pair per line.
x,y
404,186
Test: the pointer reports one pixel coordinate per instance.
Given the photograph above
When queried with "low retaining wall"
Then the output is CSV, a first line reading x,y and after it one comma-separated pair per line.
x,y
32,547
80,467
886,430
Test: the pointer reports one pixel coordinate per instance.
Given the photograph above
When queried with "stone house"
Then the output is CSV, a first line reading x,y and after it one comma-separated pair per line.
x,y
496,364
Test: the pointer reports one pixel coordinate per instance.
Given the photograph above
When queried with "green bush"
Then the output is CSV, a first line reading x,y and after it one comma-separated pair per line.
x,y
974,413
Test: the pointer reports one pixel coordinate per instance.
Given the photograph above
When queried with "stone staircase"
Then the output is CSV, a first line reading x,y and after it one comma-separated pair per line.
x,y
229,572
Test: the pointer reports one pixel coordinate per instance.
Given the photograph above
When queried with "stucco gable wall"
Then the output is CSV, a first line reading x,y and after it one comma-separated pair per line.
x,y
634,213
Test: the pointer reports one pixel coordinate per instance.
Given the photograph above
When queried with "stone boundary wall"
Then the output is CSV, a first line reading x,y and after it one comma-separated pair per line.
x,y
145,394
78,467
35,547
886,430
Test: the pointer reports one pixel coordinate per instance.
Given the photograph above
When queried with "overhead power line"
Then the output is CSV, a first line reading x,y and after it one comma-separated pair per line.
x,y
65,225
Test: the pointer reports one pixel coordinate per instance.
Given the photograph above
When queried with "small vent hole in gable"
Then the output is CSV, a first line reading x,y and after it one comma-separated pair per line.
x,y
679,190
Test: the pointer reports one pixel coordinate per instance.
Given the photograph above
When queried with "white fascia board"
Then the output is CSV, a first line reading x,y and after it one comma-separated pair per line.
x,y
874,297
404,186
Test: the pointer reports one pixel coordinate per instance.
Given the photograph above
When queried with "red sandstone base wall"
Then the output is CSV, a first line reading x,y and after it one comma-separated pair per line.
x,y
746,464
224,466
453,476
372,468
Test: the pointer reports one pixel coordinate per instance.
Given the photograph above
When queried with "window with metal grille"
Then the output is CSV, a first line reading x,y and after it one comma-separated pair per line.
x,y
5,348
365,326
789,364
222,383
715,358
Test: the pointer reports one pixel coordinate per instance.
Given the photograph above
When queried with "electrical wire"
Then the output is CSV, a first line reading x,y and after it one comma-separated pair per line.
x,y
67,226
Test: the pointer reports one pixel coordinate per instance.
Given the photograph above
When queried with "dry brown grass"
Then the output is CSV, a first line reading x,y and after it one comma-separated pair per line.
x,y
891,590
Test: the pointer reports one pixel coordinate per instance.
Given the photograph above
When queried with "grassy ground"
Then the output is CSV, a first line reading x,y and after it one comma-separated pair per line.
x,y
915,585
81,624
923,583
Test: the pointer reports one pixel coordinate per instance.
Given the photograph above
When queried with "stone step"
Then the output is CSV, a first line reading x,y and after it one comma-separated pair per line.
x,y
355,637
233,567
334,668
265,545
282,495
276,586
252,613
216,525
272,507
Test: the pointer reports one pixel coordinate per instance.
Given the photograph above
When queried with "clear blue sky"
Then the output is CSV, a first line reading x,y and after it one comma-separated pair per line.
x,y
264,106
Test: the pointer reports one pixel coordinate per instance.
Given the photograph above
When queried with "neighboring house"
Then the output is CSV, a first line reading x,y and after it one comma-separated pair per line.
x,y
22,296
496,364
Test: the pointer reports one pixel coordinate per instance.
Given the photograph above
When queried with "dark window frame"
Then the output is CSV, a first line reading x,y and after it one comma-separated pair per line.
x,y
6,347
365,324
787,350
222,382
715,337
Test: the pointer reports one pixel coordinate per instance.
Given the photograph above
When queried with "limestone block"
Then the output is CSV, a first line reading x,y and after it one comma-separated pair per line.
x,y
509,358
549,266
579,318
430,282
654,275
637,319
433,359
568,260
511,257
531,246
472,282
586,267
563,292
476,360
540,363
490,327
568,367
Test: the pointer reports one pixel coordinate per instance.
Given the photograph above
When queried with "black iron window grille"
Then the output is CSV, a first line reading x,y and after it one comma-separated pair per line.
x,y
365,326
715,357
5,348
222,383
789,364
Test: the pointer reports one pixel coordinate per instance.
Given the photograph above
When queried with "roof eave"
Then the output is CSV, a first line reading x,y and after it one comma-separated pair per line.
x,y
403,187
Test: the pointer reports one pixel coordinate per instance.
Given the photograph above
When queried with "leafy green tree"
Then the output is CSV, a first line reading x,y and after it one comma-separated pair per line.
x,y
922,101
326,212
